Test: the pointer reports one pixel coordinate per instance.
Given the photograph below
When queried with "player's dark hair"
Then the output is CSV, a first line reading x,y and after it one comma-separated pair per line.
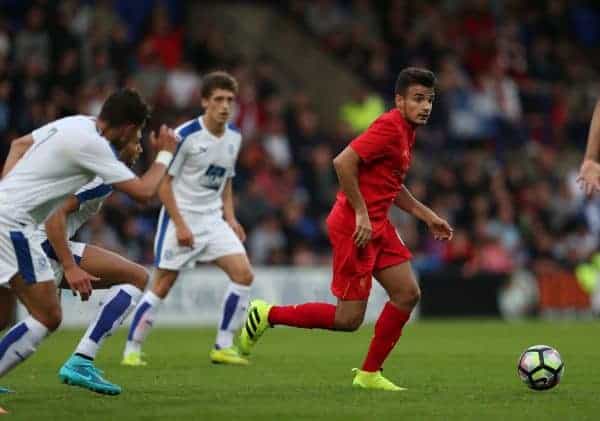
x,y
218,80
124,106
414,76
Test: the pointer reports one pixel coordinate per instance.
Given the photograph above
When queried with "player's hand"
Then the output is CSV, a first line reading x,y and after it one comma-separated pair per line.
x,y
237,228
80,281
589,177
165,141
185,238
363,230
440,228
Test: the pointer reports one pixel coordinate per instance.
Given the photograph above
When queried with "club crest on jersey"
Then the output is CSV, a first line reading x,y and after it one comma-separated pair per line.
x,y
213,177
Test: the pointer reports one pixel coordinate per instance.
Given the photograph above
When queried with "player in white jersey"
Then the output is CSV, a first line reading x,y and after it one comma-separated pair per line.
x,y
126,279
197,222
54,162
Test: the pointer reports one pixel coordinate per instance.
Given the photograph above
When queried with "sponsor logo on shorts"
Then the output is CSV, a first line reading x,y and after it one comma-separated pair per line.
x,y
169,254
42,263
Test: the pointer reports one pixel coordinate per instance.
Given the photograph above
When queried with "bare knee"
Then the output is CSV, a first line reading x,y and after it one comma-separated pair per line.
x,y
348,323
140,277
163,284
50,317
407,299
243,276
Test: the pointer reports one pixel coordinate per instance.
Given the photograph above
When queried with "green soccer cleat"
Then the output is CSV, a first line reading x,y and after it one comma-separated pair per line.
x,y
79,371
256,324
373,380
227,356
133,359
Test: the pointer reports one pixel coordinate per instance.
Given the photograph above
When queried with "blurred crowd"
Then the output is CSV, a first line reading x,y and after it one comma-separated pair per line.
x,y
517,83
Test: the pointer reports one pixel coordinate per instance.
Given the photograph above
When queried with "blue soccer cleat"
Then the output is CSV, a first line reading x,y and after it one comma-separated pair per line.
x,y
4,390
79,371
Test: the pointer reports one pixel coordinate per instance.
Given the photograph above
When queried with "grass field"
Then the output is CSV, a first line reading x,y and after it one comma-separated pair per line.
x,y
455,370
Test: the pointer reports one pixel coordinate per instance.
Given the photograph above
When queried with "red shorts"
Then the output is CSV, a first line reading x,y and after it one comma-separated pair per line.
x,y
353,267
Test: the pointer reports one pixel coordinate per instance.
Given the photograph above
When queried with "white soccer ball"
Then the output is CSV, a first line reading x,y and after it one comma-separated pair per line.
x,y
540,367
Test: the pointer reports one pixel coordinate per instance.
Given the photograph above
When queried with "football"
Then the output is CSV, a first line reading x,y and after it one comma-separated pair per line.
x,y
540,367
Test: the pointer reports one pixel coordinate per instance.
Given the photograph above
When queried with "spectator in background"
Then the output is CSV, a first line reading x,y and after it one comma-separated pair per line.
x,y
362,110
183,85
266,241
277,144
33,40
165,40
521,78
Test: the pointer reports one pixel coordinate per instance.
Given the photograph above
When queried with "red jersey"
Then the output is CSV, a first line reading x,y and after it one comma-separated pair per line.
x,y
385,150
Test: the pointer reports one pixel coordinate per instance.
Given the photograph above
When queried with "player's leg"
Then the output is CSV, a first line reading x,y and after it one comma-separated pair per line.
x,y
126,281
233,308
403,290
351,284
41,301
144,314
7,311
394,273
8,304
170,258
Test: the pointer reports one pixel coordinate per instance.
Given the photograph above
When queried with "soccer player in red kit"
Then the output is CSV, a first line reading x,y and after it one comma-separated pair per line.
x,y
371,171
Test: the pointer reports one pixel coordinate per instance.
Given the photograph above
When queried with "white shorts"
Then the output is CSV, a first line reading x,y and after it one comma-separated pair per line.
x,y
77,250
20,253
213,238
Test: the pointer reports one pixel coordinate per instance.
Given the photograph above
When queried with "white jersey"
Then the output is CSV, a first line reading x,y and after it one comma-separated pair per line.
x,y
66,155
90,198
202,164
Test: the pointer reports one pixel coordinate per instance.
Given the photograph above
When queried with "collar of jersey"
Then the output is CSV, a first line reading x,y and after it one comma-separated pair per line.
x,y
201,121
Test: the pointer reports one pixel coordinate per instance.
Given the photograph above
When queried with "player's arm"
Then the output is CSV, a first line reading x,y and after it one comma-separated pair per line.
x,y
56,231
185,238
589,173
346,167
439,227
18,147
144,188
229,211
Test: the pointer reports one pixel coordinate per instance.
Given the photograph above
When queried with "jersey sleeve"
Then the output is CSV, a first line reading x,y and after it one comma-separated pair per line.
x,y
179,157
95,190
235,159
96,156
43,133
373,143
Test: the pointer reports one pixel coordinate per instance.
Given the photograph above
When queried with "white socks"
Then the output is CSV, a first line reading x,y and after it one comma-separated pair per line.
x,y
235,304
119,301
143,319
20,342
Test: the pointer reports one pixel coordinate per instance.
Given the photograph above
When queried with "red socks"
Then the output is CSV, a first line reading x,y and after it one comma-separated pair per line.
x,y
322,316
387,332
308,315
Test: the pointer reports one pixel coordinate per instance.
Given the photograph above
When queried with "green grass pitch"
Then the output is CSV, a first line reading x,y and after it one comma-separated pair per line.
x,y
455,370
